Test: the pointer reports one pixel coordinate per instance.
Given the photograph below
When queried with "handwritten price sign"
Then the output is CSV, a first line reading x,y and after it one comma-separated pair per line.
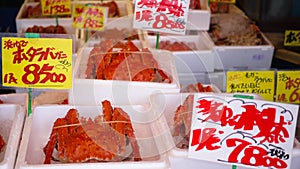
x,y
288,87
258,82
161,15
242,131
292,38
37,62
56,7
91,17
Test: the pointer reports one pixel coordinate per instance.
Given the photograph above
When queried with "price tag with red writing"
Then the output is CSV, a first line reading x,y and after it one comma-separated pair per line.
x,y
223,1
258,82
56,7
288,87
168,16
37,62
90,17
243,132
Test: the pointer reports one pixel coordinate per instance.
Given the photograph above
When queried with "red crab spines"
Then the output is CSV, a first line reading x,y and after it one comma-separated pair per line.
x,y
165,77
177,121
2,143
49,148
107,110
128,131
130,46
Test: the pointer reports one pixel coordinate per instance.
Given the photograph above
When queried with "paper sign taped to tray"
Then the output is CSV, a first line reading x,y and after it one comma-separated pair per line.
x,y
56,7
161,15
37,62
288,87
238,131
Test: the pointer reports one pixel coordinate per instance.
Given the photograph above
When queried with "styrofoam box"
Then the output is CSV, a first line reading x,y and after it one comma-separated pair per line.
x,y
199,19
23,23
244,57
11,119
165,105
39,124
92,91
197,61
15,98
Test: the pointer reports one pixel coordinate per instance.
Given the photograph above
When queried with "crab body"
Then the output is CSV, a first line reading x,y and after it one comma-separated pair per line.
x,y
87,140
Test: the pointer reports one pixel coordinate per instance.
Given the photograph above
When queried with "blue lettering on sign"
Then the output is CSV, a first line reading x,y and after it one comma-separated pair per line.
x,y
258,57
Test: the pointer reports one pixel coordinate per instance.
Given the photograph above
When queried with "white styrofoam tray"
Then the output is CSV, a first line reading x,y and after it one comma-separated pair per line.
x,y
11,119
196,61
92,91
39,124
199,19
15,98
165,105
23,23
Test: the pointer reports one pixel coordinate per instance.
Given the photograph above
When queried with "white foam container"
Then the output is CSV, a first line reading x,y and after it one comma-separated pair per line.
x,y
11,119
197,61
244,57
15,98
23,23
166,105
39,124
93,91
199,19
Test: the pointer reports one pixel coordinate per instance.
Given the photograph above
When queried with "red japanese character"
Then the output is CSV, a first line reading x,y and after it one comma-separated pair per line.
x,y
32,52
269,129
247,119
215,111
147,3
8,44
146,15
174,7
205,138
19,56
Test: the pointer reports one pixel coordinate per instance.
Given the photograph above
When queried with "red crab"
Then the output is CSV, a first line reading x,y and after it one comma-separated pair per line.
x,y
182,122
87,140
124,61
2,144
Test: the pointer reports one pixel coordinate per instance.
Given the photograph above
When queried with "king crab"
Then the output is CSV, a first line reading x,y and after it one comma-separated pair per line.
x,y
124,61
86,140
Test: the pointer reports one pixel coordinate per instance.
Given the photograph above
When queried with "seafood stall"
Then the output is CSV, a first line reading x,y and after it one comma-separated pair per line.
x,y
131,99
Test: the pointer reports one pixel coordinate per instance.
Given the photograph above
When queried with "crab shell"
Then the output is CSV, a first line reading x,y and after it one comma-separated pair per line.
x,y
124,61
182,121
2,144
85,140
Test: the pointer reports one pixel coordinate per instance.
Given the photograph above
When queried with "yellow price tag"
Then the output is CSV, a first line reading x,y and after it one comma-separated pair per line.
x,y
56,7
288,87
90,17
292,38
258,82
37,62
223,1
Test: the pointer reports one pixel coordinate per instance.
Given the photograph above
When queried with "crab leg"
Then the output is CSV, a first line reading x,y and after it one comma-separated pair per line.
x,y
2,144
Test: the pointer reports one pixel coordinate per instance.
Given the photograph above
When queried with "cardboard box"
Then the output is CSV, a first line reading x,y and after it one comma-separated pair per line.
x,y
38,127
199,60
11,119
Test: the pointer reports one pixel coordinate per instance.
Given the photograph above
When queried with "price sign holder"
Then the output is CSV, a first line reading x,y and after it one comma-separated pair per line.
x,y
292,38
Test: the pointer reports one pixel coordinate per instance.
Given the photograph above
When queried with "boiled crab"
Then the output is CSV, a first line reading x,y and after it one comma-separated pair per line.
x,y
124,61
182,122
86,140
2,144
